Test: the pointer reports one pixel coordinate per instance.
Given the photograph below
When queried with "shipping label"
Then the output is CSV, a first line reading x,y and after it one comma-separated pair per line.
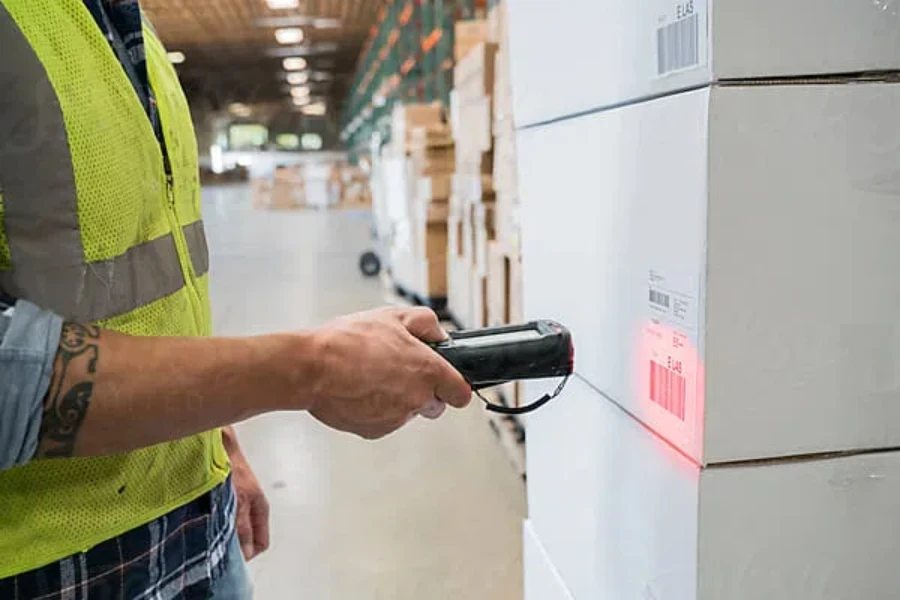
x,y
671,369
681,36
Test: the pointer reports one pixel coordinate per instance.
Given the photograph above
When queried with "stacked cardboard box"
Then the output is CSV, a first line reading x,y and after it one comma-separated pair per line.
x,y
471,220
350,188
419,149
285,190
720,254
433,161
467,35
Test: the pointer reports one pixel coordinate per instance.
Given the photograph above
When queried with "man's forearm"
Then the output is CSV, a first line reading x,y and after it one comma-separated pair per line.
x,y
112,393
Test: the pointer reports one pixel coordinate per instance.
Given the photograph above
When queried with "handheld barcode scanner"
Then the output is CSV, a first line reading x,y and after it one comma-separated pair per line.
x,y
497,355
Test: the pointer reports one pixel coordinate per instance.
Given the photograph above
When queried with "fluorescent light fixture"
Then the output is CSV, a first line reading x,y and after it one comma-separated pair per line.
x,y
300,91
303,50
282,4
321,76
176,58
240,110
289,35
301,100
297,21
317,109
326,23
298,78
294,63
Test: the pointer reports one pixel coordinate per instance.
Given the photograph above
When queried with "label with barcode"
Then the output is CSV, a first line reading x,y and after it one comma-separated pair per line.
x,y
680,37
660,299
668,387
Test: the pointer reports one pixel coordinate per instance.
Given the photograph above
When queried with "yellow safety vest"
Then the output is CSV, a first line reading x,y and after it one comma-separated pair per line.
x,y
93,228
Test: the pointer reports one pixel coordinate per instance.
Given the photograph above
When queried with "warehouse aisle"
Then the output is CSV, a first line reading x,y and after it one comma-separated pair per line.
x,y
432,512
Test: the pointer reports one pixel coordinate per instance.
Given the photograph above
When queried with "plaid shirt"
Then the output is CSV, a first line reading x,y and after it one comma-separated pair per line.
x,y
177,557
180,555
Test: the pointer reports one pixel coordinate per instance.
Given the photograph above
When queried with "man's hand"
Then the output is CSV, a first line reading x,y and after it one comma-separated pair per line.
x,y
252,506
377,374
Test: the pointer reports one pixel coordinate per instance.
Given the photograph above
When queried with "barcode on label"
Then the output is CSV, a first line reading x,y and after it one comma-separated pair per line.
x,y
659,298
667,389
678,45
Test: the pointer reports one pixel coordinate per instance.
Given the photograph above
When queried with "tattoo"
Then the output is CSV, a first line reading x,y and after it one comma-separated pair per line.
x,y
71,388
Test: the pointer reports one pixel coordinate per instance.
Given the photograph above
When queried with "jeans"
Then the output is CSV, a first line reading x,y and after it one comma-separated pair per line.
x,y
234,583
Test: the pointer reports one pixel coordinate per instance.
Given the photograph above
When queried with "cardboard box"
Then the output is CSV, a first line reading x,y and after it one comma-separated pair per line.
x,y
478,299
516,291
473,76
623,515
434,259
725,259
435,188
498,286
484,233
432,135
496,23
407,117
468,34
458,277
602,53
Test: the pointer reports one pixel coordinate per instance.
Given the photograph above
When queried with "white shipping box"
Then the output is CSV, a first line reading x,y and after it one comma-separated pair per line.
x,y
622,515
542,581
598,53
727,261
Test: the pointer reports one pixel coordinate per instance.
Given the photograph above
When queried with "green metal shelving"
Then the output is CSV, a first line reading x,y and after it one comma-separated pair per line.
x,y
407,58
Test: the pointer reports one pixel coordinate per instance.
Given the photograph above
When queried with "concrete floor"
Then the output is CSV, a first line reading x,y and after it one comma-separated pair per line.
x,y
433,512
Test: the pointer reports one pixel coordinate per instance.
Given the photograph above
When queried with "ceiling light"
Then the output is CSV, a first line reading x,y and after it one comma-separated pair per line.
x,y
297,78
321,76
301,100
289,35
176,58
317,109
282,4
294,63
300,92
326,23
240,110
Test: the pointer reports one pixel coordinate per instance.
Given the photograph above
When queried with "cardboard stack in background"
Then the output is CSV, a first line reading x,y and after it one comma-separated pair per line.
x,y
406,159
433,161
285,190
725,256
354,188
471,219
504,273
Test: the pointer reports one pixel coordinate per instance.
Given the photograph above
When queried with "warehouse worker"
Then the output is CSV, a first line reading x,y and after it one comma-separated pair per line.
x,y
116,480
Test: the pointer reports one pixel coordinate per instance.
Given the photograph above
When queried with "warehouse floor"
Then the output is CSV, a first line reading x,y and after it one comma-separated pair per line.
x,y
433,511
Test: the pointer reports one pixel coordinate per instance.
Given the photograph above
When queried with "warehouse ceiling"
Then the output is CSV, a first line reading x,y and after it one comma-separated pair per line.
x,y
231,54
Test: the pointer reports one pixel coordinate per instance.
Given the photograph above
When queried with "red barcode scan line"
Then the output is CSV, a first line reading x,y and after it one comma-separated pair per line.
x,y
668,389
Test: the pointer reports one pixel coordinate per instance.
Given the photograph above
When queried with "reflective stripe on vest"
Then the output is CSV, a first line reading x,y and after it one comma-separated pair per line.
x,y
40,208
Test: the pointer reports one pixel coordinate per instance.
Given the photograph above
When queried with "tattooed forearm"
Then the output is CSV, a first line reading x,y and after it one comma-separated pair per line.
x,y
71,388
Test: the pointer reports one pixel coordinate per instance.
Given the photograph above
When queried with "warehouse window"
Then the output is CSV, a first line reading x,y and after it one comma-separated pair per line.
x,y
287,141
311,141
247,136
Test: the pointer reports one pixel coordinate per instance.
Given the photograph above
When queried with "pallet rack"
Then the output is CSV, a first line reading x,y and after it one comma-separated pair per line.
x,y
408,57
